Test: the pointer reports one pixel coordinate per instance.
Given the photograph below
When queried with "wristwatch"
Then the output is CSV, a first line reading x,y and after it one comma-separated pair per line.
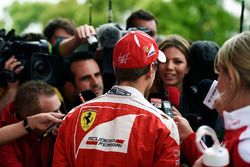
x,y
27,126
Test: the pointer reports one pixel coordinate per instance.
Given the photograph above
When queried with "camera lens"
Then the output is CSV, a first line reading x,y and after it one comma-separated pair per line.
x,y
46,67
42,70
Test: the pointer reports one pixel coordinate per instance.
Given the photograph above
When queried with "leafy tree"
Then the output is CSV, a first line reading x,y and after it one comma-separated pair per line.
x,y
194,20
24,14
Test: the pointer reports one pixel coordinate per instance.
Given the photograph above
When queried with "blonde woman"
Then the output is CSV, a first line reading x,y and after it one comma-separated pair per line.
x,y
233,67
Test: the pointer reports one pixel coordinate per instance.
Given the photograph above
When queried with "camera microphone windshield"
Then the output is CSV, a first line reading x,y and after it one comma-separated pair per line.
x,y
108,34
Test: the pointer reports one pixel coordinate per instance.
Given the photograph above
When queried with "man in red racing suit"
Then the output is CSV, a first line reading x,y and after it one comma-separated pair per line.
x,y
121,128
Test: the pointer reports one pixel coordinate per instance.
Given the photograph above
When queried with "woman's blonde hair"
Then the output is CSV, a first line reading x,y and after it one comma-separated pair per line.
x,y
235,55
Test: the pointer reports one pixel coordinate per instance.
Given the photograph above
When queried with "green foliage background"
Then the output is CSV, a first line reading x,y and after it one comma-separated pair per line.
x,y
193,19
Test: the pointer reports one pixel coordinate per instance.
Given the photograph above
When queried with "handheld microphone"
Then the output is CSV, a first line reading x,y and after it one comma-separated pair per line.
x,y
207,92
161,102
167,108
173,95
49,129
156,100
84,96
166,105
88,95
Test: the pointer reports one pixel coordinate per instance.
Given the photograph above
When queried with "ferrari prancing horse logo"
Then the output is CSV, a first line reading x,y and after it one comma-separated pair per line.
x,y
87,119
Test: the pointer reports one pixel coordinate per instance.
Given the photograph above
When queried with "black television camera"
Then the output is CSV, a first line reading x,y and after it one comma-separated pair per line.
x,y
35,56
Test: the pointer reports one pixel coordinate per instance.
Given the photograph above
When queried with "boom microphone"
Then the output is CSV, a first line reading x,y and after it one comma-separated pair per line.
x,y
203,88
203,53
110,11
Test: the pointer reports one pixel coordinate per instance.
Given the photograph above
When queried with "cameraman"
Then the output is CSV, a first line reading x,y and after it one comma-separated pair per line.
x,y
58,29
12,69
16,67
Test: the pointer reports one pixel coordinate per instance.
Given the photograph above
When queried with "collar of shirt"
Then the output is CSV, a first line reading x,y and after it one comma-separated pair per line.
x,y
237,118
124,91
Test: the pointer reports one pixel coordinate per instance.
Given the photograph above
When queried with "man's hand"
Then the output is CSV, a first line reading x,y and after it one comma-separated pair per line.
x,y
183,125
12,64
15,66
43,120
81,35
83,32
198,162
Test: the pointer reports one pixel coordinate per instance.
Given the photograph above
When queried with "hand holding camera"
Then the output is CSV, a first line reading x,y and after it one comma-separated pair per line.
x,y
12,64
86,32
12,67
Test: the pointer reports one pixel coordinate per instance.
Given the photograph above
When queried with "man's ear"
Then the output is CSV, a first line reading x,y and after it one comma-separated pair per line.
x,y
151,72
